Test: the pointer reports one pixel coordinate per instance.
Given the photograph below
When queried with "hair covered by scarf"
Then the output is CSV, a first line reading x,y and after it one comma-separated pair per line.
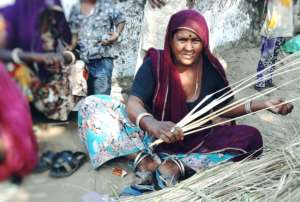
x,y
169,102
15,130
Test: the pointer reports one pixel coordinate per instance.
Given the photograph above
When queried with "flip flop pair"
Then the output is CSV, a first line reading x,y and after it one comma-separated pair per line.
x,y
61,164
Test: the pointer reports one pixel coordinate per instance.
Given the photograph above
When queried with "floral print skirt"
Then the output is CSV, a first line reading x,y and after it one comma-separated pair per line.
x,y
270,48
107,133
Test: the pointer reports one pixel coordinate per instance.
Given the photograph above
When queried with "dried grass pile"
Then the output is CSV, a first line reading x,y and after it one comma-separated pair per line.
x,y
275,176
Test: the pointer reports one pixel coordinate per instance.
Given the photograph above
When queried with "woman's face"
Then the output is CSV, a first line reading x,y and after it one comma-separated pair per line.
x,y
186,47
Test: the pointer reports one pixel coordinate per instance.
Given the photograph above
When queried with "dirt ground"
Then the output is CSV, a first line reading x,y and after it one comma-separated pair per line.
x,y
239,62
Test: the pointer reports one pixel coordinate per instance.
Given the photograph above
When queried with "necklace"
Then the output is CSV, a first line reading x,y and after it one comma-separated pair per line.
x,y
194,96
197,84
198,71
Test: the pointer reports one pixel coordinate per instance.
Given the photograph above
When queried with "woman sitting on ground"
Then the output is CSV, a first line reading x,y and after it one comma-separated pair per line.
x,y
167,86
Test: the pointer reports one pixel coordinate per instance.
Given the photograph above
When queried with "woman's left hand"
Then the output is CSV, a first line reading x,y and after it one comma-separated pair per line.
x,y
113,38
277,107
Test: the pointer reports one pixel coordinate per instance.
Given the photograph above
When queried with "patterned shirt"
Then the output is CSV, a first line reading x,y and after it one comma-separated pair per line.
x,y
94,28
279,20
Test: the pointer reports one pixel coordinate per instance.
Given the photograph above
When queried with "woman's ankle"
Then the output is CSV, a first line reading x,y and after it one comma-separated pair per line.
x,y
148,164
145,162
169,168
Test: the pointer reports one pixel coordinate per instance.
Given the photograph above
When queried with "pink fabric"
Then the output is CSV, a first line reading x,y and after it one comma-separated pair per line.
x,y
170,101
15,130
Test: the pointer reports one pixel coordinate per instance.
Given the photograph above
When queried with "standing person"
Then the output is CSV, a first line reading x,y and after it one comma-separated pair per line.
x,y
169,84
96,25
277,28
44,77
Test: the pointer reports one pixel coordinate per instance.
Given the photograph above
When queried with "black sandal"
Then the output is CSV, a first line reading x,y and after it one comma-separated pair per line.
x,y
45,161
67,163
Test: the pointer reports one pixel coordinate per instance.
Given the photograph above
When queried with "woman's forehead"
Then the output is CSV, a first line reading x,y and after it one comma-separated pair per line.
x,y
186,32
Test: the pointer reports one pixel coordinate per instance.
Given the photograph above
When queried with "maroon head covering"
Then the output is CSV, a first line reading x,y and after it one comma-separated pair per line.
x,y
169,102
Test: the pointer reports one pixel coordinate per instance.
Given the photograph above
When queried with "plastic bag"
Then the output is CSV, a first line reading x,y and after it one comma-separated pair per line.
x,y
292,45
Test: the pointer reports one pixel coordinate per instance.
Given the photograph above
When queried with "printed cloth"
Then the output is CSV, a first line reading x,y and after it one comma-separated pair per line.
x,y
58,96
94,28
107,133
270,48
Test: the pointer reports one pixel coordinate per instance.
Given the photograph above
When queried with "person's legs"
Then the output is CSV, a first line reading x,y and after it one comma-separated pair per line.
x,y
237,139
100,75
234,142
105,130
270,48
266,60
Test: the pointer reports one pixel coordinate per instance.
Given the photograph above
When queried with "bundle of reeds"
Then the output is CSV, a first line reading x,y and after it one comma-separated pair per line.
x,y
194,122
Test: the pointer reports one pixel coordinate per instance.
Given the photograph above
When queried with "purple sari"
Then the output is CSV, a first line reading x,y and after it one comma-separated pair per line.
x,y
22,23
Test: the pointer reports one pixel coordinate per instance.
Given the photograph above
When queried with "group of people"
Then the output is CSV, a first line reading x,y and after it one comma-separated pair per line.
x,y
44,62
171,81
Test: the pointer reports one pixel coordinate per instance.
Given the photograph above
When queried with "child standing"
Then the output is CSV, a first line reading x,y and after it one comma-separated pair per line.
x,y
96,26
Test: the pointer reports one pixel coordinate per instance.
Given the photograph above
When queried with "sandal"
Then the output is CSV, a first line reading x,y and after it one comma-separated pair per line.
x,y
45,161
66,163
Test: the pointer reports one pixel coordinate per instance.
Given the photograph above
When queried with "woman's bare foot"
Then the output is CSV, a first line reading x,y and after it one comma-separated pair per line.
x,y
169,168
148,164
145,162
169,173
144,165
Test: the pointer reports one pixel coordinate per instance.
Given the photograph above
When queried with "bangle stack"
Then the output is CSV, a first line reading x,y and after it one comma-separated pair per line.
x,y
140,116
73,58
248,107
15,56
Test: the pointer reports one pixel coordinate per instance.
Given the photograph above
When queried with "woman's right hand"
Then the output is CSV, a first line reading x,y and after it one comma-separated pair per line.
x,y
162,130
